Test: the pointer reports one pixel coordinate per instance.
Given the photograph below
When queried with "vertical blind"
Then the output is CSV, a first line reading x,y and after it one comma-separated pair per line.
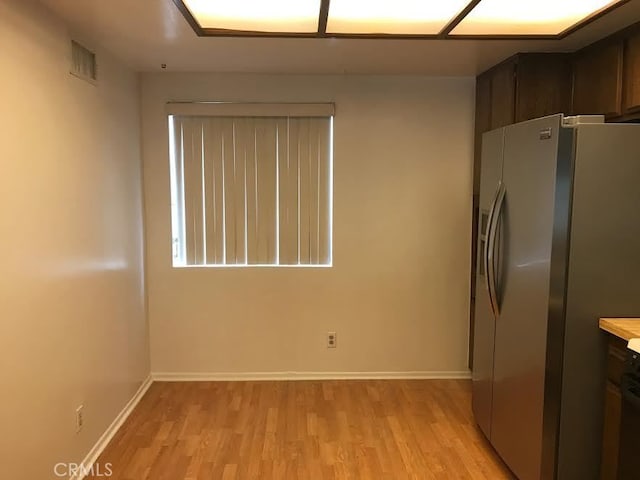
x,y
251,190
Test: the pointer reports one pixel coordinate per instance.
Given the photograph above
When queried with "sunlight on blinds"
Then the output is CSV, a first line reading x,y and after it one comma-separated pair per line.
x,y
251,190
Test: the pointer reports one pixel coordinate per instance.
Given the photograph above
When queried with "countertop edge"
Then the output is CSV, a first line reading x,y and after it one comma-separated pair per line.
x,y
620,327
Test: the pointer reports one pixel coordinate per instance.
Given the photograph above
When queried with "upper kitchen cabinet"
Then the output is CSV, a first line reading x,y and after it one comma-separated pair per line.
x,y
503,94
543,85
631,90
526,86
597,79
606,77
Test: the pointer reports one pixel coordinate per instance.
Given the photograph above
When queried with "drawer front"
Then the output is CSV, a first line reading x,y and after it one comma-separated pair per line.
x,y
616,360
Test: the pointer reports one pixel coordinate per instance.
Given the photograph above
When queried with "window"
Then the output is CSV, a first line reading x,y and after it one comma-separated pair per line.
x,y
251,185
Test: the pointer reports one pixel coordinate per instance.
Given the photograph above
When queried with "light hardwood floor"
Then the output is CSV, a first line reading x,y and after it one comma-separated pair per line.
x,y
391,429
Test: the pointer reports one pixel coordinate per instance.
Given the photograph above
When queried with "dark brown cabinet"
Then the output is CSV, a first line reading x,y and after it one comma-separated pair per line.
x,y
631,91
611,432
544,86
597,80
503,94
612,409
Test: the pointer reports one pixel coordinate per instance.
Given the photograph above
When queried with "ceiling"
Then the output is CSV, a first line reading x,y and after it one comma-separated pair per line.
x,y
148,33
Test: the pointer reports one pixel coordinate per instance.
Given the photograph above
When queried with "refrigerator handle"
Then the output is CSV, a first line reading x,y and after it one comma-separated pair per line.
x,y
491,248
487,245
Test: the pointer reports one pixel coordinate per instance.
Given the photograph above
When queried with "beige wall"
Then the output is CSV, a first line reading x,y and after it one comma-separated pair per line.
x,y
398,292
72,321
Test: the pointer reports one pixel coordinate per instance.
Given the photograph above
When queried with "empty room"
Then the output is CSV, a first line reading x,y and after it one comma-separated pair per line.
x,y
320,239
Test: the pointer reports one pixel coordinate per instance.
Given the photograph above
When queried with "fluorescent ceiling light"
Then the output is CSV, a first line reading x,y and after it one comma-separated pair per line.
x,y
400,17
527,17
284,16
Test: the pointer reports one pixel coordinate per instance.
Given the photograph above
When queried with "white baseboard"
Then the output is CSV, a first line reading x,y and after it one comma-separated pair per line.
x,y
106,437
240,376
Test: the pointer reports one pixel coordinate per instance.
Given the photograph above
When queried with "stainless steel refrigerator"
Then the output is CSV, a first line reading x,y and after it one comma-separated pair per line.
x,y
559,247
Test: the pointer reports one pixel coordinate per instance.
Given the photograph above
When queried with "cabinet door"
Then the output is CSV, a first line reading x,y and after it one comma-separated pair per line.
x,y
611,432
632,74
543,85
503,95
597,80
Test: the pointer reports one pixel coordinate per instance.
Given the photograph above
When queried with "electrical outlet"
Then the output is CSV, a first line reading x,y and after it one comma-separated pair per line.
x,y
332,340
79,418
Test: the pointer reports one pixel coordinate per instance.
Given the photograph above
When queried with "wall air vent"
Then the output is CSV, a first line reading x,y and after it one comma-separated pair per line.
x,y
83,63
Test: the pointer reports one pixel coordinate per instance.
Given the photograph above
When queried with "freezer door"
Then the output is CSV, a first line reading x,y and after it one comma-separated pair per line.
x,y
526,219
484,329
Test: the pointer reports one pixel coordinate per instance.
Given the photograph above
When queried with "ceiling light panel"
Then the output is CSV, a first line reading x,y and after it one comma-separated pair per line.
x,y
528,17
393,17
273,16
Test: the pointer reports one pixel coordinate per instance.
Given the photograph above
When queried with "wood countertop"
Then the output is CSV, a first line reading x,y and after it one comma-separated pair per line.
x,y
624,328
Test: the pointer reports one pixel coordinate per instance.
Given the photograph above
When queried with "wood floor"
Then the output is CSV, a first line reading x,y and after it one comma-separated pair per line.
x,y
392,430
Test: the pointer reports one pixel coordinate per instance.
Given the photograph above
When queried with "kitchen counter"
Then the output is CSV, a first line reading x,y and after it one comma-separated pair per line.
x,y
624,328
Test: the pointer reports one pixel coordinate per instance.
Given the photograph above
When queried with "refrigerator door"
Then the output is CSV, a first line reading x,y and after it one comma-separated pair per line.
x,y
484,329
526,219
